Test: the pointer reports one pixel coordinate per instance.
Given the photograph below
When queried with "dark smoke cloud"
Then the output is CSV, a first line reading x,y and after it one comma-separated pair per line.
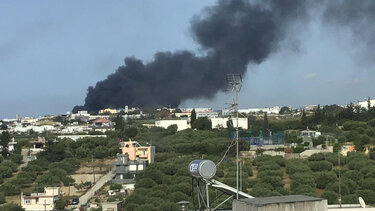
x,y
357,16
231,34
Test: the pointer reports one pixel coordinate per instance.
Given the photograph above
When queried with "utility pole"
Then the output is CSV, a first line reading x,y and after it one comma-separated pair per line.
x,y
234,84
338,154
93,168
237,142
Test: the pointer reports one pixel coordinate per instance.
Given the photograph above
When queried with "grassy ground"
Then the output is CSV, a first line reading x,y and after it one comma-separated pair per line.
x,y
286,179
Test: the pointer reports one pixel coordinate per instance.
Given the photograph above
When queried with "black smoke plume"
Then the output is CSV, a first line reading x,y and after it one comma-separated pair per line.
x,y
232,34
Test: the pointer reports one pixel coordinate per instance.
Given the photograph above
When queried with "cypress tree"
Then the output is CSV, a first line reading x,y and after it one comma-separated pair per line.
x,y
193,117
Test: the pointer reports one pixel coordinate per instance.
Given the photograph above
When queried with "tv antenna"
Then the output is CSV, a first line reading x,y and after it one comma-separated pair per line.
x,y
234,85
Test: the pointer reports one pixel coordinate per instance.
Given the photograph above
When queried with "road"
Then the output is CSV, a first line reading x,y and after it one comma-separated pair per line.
x,y
90,193
25,159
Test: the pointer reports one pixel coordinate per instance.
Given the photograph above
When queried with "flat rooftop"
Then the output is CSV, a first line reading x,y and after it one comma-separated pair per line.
x,y
262,201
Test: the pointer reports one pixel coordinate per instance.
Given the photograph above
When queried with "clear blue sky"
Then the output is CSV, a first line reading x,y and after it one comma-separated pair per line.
x,y
51,51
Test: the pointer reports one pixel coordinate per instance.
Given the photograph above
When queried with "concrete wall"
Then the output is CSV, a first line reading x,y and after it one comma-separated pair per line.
x,y
295,206
181,124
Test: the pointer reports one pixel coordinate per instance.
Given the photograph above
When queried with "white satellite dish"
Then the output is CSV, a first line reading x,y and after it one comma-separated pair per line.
x,y
362,202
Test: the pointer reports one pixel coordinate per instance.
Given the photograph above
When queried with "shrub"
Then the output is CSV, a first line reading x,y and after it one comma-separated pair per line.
x,y
367,195
11,207
115,186
5,171
322,179
220,173
146,207
177,196
60,204
320,165
145,183
331,196
304,190
2,198
168,206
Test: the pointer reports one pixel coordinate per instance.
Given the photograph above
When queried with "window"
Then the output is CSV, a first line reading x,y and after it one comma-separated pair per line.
x,y
27,201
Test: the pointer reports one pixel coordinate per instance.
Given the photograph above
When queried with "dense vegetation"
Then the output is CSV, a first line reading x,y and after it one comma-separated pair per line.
x,y
265,175
53,166
167,181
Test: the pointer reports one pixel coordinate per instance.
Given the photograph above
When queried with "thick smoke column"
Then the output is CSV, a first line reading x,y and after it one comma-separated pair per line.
x,y
232,34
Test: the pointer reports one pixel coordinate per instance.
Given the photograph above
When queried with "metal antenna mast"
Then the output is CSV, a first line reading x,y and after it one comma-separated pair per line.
x,y
234,85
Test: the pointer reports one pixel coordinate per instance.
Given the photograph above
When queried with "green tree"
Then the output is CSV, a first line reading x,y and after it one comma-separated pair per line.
x,y
5,171
331,196
322,179
60,204
146,207
320,165
131,132
115,186
168,206
304,190
193,117
145,183
318,141
284,110
368,104
119,122
16,158
202,123
172,129
5,139
3,127
10,189
367,195
2,198
11,207
265,125
304,119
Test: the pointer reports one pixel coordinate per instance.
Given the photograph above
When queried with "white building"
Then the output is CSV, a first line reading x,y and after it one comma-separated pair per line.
x,y
75,129
181,124
310,133
208,114
76,137
364,104
38,129
196,109
29,120
221,122
41,201
268,110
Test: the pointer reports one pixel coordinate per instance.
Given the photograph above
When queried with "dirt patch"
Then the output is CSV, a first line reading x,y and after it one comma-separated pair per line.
x,y
255,173
79,178
286,179
99,166
13,199
319,191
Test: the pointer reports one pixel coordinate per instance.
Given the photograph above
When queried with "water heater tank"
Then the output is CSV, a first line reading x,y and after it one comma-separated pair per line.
x,y
205,169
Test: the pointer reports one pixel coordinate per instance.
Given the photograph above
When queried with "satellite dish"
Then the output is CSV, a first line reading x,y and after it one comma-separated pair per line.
x,y
362,202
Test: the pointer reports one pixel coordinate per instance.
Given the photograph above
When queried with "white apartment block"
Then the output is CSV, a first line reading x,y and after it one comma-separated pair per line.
x,y
181,124
221,122
364,104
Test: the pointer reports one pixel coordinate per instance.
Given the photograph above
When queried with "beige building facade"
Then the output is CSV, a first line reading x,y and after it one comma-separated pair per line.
x,y
41,201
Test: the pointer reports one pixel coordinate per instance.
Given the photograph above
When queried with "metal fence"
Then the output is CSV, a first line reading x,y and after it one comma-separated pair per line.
x,y
277,138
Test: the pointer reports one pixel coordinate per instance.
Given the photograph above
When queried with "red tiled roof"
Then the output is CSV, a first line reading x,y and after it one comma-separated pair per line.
x,y
101,120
